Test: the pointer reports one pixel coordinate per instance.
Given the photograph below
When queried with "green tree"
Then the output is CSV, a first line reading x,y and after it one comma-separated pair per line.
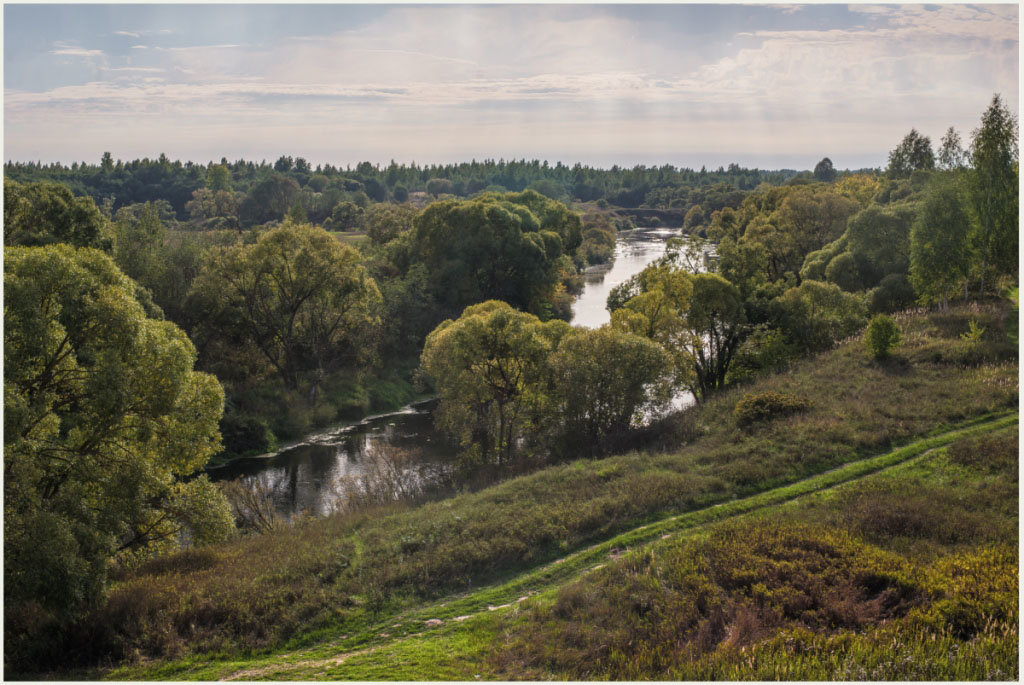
x,y
694,218
102,415
218,178
490,369
345,216
815,316
604,380
913,153
881,336
951,153
506,247
139,234
269,200
439,186
824,171
46,213
994,190
301,297
940,256
385,222
716,321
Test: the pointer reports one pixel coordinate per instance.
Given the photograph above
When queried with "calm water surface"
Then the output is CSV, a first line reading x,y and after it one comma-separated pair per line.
x,y
303,477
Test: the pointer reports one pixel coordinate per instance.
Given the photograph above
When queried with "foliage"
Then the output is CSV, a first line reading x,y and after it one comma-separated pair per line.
x,y
297,295
974,333
881,336
894,293
940,255
604,381
815,316
385,222
824,171
993,183
47,213
763,351
951,153
765,406
489,368
506,247
102,411
913,153
269,200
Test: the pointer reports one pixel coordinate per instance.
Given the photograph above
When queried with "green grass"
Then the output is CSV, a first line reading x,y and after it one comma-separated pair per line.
x,y
788,593
399,641
309,585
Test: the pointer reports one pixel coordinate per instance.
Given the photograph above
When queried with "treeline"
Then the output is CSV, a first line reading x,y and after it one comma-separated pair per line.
x,y
251,193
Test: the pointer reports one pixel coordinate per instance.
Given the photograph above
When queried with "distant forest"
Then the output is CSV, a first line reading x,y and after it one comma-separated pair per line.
x,y
320,188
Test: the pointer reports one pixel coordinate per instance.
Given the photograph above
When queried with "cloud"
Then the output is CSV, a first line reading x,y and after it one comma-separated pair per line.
x,y
140,47
131,34
77,52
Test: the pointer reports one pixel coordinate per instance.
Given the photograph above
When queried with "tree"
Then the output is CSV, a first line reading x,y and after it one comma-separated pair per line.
x,y
815,316
490,369
345,216
824,171
881,336
400,193
940,257
439,186
604,380
951,153
301,297
505,247
269,200
218,178
385,222
102,415
698,319
46,213
913,153
716,321
993,190
694,218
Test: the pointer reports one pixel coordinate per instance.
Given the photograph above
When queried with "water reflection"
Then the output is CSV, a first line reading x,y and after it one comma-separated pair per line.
x,y
304,477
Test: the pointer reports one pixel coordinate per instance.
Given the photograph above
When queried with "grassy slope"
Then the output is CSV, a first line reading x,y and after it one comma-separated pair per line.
x,y
407,647
335,585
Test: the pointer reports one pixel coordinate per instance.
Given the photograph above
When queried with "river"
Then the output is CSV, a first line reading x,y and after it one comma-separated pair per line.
x,y
304,477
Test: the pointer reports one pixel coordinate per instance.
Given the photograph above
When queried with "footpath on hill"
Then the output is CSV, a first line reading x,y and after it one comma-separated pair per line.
x,y
452,619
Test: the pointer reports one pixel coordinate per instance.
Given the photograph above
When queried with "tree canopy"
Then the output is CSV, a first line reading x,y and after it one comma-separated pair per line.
x,y
46,213
298,295
102,413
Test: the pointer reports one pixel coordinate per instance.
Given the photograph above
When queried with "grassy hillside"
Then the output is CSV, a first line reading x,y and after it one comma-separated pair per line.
x,y
326,589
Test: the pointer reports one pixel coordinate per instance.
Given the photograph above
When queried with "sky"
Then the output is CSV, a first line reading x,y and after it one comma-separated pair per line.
x,y
768,86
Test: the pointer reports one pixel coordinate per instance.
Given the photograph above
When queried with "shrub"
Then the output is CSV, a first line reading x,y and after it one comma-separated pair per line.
x,y
764,406
881,336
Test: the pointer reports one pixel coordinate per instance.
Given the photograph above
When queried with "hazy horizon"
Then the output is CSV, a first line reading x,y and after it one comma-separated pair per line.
x,y
771,87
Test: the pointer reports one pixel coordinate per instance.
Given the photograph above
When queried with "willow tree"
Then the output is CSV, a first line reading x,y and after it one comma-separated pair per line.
x,y
102,415
490,368
299,296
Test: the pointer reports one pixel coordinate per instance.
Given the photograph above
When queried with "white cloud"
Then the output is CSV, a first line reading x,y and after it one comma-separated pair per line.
x,y
131,34
76,52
